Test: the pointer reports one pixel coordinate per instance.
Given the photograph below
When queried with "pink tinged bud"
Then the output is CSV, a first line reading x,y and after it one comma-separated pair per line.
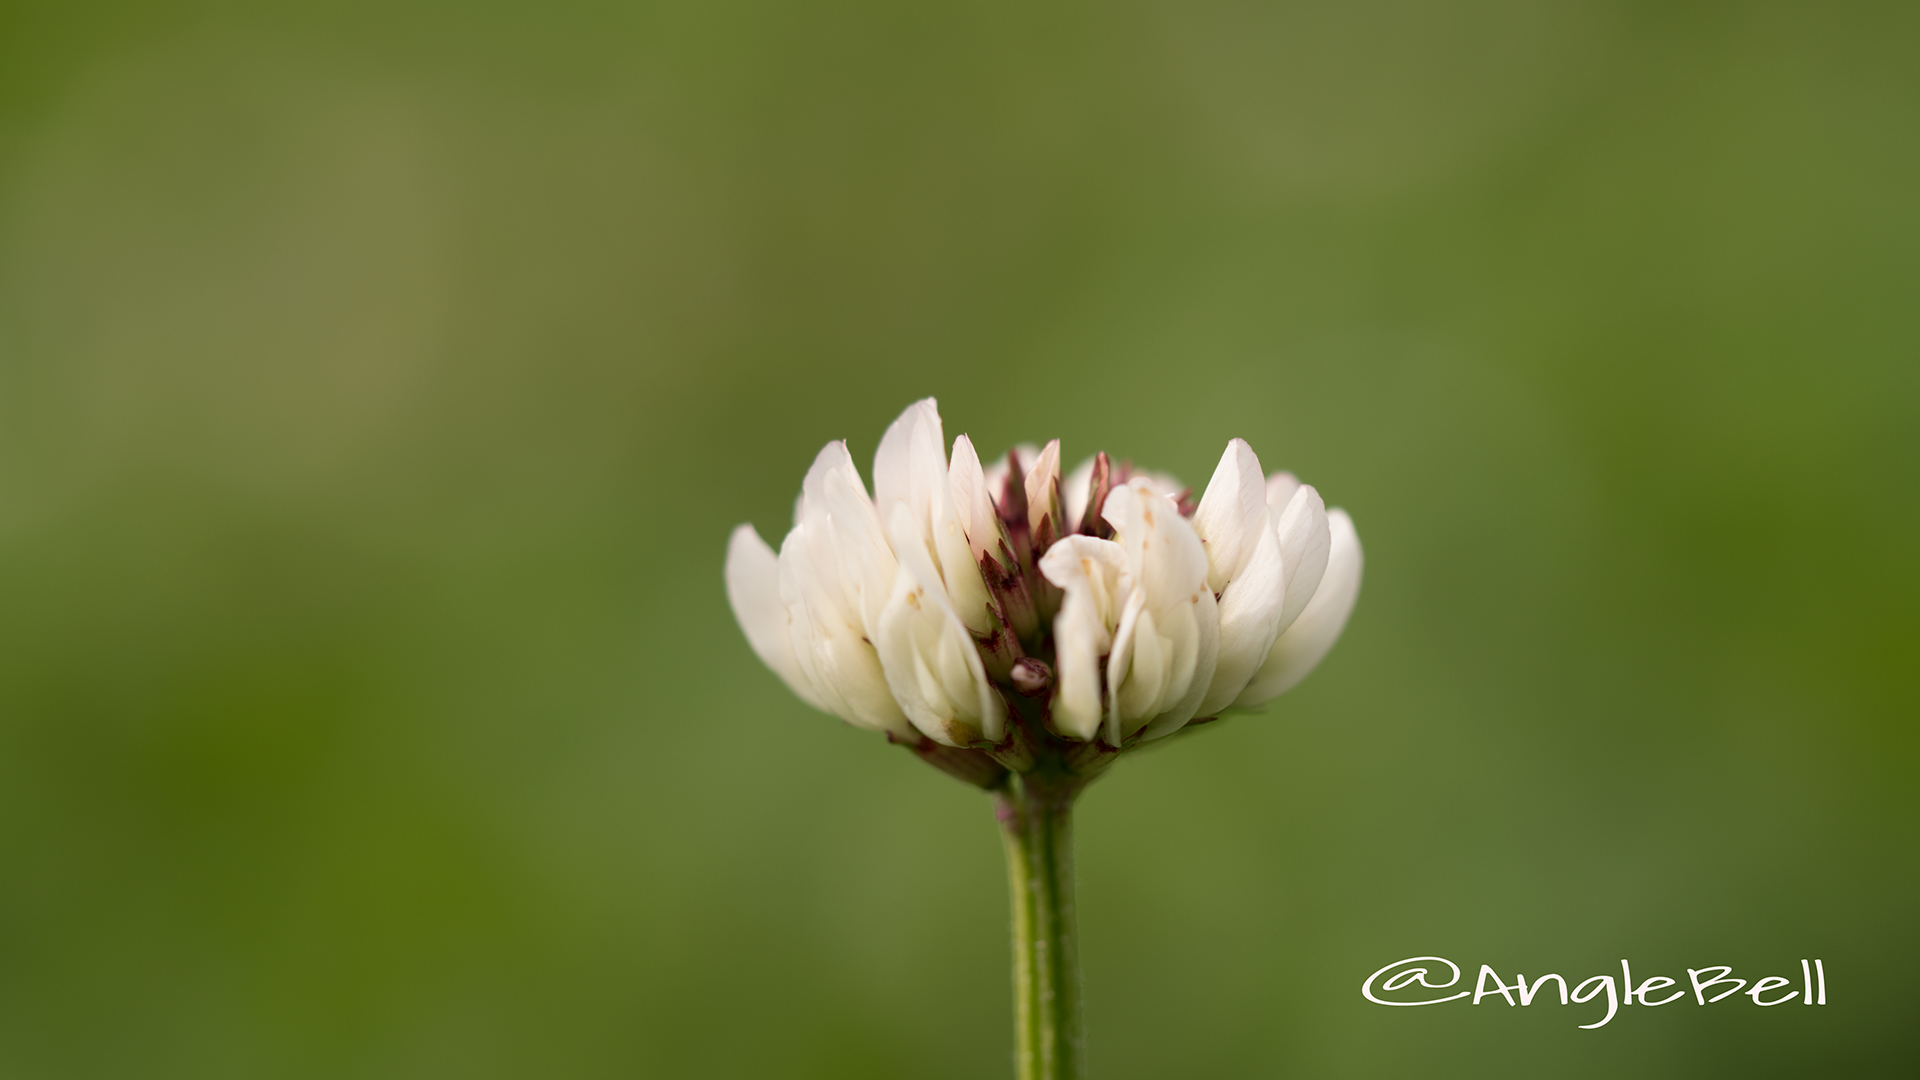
x,y
1000,649
1043,499
1099,485
1031,677
1043,524
1010,494
1009,587
1026,597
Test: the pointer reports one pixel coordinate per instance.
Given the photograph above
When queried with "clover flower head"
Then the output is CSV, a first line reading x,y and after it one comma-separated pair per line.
x,y
994,617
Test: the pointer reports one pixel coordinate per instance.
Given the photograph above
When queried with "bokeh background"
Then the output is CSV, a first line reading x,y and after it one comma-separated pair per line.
x,y
379,382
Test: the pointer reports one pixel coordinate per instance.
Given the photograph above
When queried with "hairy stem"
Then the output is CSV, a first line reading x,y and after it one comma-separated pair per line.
x,y
1036,823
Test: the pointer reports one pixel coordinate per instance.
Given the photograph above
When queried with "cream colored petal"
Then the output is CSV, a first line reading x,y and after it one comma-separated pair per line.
x,y
808,599
892,460
1249,618
1163,552
1304,644
1304,541
1232,514
931,665
1126,510
1120,663
973,497
818,575
843,526
1075,491
1167,642
1140,682
836,572
753,588
910,470
1088,571
1159,483
1280,489
951,547
1079,642
900,468
830,646
1193,629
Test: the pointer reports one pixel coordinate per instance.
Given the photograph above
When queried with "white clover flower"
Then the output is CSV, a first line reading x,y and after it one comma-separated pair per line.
x,y
994,613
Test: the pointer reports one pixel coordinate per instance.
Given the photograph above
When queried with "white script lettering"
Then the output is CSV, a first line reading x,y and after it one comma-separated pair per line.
x,y
1416,977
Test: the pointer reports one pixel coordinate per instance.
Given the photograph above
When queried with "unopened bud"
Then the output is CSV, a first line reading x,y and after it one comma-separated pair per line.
x,y
1031,677
1007,581
1099,485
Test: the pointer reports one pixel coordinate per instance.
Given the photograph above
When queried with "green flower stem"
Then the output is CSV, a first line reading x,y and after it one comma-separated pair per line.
x,y
1036,822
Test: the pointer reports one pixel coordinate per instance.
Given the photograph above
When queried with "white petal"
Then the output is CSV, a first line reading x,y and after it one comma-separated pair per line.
x,y
830,647
893,459
1075,491
1193,629
1139,673
1312,635
1120,664
1249,618
959,569
1168,634
753,588
1158,482
931,665
1168,559
836,572
1088,571
973,498
1304,541
842,527
910,470
1232,514
1280,489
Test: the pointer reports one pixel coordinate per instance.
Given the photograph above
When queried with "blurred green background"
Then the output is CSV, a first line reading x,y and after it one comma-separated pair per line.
x,y
379,381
